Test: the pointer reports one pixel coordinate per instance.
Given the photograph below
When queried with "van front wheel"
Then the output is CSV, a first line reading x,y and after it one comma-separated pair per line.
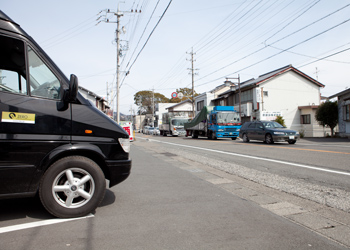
x,y
72,187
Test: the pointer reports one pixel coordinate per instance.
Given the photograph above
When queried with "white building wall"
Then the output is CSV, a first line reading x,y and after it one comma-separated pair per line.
x,y
183,107
208,97
314,129
286,93
162,108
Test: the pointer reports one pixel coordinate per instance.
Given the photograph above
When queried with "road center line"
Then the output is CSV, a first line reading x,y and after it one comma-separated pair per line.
x,y
256,158
39,224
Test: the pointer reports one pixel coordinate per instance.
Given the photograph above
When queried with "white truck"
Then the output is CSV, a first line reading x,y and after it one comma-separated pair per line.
x,y
173,125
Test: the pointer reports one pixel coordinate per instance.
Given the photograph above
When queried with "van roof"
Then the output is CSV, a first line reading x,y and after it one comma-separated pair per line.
x,y
3,16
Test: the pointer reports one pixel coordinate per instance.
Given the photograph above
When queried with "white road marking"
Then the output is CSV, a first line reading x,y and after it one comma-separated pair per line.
x,y
258,158
39,224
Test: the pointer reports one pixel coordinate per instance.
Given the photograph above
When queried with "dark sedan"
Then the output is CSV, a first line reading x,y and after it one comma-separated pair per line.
x,y
267,131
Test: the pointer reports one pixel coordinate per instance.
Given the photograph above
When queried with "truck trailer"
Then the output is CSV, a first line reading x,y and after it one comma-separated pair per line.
x,y
215,122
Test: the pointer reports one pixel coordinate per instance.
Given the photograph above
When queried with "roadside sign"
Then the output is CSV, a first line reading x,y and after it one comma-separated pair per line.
x,y
174,95
127,126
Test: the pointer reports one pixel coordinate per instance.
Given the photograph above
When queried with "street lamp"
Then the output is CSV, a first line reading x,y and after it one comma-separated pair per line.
x,y
228,84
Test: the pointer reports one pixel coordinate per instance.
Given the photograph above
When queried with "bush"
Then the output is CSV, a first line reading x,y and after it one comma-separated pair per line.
x,y
280,120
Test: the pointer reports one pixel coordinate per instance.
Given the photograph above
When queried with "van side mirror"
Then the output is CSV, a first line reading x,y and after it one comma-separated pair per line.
x,y
73,88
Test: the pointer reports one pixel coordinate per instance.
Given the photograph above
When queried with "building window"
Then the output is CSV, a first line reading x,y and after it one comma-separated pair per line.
x,y
266,93
200,105
346,109
305,119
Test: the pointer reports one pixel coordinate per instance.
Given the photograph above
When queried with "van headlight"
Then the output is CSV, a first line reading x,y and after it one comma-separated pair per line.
x,y
125,143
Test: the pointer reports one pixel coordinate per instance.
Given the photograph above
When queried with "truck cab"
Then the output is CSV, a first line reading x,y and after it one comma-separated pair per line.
x,y
53,142
224,122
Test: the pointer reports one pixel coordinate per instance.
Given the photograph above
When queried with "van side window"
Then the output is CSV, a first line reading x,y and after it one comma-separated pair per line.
x,y
12,66
43,82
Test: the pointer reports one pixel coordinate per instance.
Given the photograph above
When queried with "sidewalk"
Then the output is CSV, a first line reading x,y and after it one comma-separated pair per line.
x,y
325,139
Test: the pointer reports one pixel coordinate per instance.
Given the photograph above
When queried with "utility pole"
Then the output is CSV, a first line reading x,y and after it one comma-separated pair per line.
x,y
153,106
192,69
118,14
229,83
316,72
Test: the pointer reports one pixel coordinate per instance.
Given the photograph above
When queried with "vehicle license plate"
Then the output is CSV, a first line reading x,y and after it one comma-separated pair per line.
x,y
291,137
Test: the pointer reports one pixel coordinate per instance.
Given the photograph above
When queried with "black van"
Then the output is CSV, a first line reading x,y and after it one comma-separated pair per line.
x,y
52,140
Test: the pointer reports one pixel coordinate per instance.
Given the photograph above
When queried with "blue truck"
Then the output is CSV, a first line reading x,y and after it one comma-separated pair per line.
x,y
215,122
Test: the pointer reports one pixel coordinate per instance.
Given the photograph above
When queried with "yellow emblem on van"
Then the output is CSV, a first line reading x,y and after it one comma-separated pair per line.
x,y
15,117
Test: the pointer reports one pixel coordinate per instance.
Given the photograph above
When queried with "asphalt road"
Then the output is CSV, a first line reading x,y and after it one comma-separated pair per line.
x,y
174,202
318,161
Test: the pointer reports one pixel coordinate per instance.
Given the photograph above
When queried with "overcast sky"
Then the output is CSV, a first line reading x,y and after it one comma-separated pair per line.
x,y
228,37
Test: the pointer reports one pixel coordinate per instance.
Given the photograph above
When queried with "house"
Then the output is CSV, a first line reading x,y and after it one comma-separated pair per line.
x,y
207,98
343,112
285,92
183,108
97,100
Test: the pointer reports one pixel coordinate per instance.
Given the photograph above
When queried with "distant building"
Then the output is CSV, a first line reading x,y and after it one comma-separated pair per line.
x,y
96,100
343,112
183,108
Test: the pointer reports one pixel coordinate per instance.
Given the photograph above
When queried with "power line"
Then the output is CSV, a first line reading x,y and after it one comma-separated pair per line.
x,y
336,53
256,51
149,36
269,57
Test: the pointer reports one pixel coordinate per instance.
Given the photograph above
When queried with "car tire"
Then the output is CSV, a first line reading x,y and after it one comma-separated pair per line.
x,y
292,141
268,139
72,187
245,138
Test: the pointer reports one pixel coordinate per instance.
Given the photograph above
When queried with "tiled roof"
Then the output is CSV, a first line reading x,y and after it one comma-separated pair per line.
x,y
272,74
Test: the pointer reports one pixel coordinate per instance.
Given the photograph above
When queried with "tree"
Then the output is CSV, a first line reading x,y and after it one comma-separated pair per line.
x,y
187,94
143,99
327,115
280,120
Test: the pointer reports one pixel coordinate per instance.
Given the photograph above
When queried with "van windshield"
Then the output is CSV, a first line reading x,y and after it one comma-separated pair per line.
x,y
43,82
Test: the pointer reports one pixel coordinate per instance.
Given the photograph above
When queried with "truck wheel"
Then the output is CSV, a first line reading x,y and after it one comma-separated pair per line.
x,y
213,137
194,135
72,187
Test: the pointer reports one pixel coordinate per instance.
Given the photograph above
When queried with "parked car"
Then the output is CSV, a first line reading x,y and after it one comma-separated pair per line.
x,y
156,131
145,129
150,131
267,131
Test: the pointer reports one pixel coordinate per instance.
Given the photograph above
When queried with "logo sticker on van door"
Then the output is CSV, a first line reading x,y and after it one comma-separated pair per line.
x,y
15,117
